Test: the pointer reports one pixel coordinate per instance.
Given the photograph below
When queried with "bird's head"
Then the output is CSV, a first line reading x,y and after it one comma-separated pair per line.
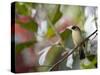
x,y
73,28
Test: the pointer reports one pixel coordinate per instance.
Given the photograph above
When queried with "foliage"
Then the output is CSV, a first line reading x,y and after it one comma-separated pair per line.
x,y
54,13
21,46
31,26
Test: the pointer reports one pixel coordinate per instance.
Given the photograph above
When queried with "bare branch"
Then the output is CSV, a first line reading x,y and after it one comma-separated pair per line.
x,y
71,52
95,36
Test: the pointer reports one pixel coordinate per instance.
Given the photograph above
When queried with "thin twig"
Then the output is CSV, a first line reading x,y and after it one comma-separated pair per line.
x,y
71,52
95,36
42,65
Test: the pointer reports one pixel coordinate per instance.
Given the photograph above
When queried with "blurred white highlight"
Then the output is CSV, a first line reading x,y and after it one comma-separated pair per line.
x,y
42,29
69,60
43,55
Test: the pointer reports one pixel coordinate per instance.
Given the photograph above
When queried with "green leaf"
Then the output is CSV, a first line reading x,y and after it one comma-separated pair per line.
x,y
64,35
67,38
50,33
21,46
22,8
53,55
57,15
91,57
92,64
31,26
53,12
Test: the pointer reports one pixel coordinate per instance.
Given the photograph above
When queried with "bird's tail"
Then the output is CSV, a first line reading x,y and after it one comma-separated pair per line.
x,y
82,54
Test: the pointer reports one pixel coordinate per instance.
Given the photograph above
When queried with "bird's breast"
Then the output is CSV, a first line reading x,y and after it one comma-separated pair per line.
x,y
77,38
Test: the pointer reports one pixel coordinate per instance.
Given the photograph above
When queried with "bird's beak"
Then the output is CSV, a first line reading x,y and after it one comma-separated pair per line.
x,y
69,27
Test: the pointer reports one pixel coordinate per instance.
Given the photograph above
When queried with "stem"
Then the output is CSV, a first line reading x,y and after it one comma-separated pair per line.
x,y
71,52
56,32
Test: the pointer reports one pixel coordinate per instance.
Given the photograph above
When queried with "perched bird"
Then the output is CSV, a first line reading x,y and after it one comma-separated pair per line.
x,y
77,39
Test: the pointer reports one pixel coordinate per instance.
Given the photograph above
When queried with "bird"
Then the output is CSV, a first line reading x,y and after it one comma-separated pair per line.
x,y
77,39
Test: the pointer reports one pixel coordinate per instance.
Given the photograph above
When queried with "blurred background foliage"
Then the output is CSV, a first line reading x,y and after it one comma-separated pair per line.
x,y
41,25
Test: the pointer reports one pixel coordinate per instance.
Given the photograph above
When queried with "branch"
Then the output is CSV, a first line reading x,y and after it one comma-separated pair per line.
x,y
71,52
94,36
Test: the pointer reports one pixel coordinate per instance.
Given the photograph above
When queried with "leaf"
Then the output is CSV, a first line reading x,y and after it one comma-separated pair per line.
x,y
57,15
50,33
53,12
52,57
64,35
93,63
67,39
23,8
31,26
21,46
91,57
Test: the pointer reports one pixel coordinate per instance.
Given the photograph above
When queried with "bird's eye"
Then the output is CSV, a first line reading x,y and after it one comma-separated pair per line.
x,y
74,27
